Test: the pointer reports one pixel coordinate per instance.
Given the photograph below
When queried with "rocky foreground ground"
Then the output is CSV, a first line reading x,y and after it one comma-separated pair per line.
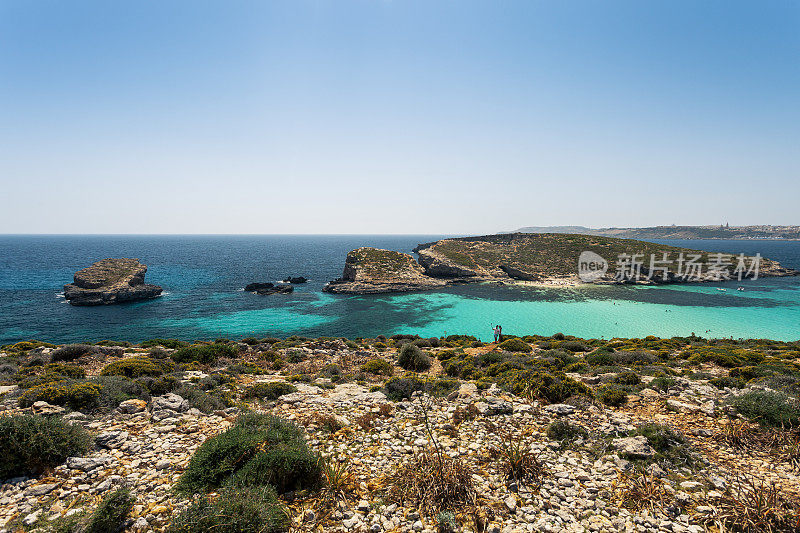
x,y
594,473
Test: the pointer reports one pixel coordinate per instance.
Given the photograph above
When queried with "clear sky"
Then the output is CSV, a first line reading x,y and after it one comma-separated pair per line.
x,y
396,116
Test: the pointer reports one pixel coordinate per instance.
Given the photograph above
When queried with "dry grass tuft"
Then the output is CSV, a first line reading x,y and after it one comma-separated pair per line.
x,y
754,505
462,414
327,422
737,434
338,484
367,420
434,483
517,462
639,491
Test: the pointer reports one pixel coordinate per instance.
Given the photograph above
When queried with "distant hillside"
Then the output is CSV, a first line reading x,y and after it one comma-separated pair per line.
x,y
677,232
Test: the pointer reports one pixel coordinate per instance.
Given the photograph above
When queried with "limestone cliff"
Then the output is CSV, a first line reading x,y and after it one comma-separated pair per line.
x,y
372,270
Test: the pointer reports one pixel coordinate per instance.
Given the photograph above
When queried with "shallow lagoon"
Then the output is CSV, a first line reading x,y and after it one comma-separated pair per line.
x,y
203,277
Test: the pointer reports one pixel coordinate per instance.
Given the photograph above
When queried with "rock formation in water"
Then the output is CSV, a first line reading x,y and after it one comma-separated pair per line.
x,y
268,288
293,280
110,281
372,270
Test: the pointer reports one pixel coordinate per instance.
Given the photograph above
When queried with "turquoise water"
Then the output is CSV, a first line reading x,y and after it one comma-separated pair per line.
x,y
203,278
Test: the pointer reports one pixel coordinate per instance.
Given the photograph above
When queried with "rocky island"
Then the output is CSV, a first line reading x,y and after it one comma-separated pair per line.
x,y
545,258
268,288
110,281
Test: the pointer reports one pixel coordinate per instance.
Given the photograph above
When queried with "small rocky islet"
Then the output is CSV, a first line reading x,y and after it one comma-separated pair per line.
x,y
110,281
532,434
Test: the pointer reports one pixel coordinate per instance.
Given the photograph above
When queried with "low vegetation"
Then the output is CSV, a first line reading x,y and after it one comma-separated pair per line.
x,y
237,509
769,408
411,357
204,353
259,450
269,391
31,444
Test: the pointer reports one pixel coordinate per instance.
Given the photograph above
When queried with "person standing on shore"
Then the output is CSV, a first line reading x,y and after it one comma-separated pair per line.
x,y
499,333
496,331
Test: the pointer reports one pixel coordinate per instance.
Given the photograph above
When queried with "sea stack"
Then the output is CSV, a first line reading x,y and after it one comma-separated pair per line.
x,y
110,281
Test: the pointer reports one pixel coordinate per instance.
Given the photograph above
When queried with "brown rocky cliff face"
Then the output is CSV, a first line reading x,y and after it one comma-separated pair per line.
x,y
110,281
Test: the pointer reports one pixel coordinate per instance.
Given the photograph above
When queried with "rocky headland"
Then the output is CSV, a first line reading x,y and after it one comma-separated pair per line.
x,y
110,281
543,258
372,270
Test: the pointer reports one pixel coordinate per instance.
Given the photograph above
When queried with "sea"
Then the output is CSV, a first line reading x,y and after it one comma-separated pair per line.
x,y
203,279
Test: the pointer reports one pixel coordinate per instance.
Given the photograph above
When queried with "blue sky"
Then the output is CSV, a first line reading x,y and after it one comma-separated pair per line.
x,y
396,116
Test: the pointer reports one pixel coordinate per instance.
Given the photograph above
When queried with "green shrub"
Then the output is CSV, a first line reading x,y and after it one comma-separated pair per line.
x,y
552,387
71,352
74,394
628,378
402,388
613,396
491,358
40,379
411,357
166,343
247,368
237,510
220,457
201,400
671,446
558,337
378,367
577,367
269,391
283,466
574,346
111,514
444,355
160,385
515,345
443,387
204,353
68,371
295,356
600,357
116,389
134,367
331,371
662,383
772,409
727,381
564,431
122,344
31,444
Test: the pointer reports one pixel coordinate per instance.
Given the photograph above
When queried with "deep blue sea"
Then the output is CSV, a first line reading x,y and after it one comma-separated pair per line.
x,y
203,277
